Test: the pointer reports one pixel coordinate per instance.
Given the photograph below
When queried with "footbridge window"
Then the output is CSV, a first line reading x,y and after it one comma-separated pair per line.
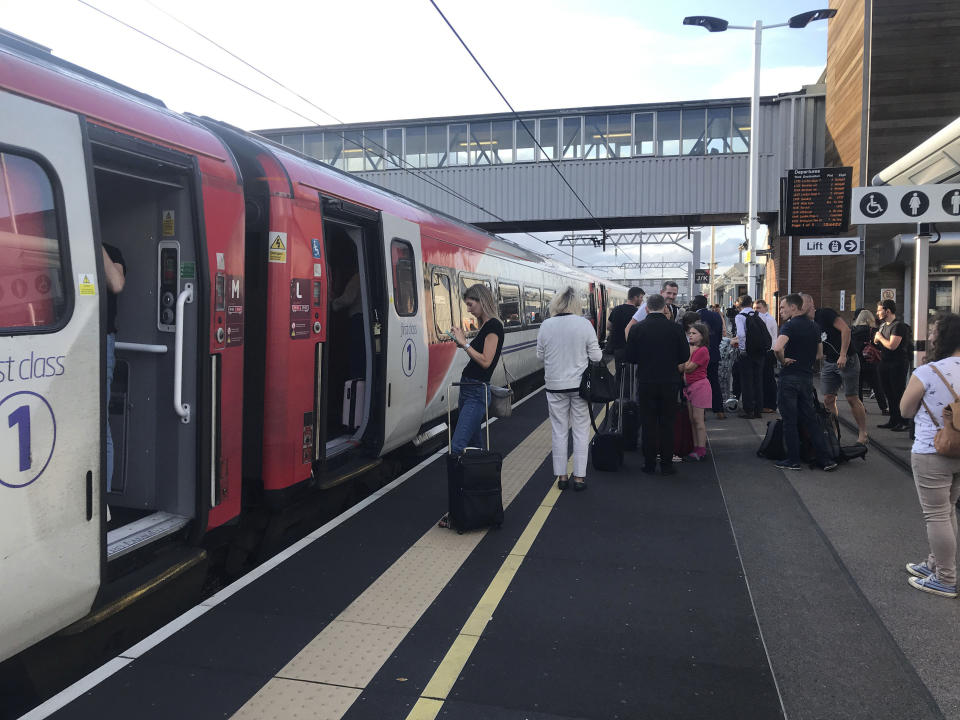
x,y
689,131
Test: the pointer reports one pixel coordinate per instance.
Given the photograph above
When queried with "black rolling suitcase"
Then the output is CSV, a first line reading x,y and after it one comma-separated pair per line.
x,y
474,492
606,448
628,412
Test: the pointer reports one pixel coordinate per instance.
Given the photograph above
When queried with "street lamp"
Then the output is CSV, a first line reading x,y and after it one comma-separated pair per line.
x,y
713,24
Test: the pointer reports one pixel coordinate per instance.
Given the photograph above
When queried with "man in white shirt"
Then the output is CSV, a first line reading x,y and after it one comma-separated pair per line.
x,y
750,363
669,292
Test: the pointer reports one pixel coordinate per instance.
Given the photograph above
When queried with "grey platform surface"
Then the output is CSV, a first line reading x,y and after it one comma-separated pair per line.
x,y
824,557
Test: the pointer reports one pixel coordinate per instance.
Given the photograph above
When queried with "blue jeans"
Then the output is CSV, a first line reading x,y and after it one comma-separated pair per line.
x,y
111,363
473,410
795,402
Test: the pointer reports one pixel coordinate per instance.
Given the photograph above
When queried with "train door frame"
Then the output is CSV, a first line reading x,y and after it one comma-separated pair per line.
x,y
362,226
51,520
157,296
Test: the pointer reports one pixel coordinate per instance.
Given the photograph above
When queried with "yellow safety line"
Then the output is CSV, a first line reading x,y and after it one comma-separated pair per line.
x,y
436,691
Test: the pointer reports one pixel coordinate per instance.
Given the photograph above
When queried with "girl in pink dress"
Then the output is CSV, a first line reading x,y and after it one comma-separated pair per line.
x,y
698,393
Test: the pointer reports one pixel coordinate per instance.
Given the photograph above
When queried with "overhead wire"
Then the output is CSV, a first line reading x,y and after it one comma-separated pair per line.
x,y
415,172
503,97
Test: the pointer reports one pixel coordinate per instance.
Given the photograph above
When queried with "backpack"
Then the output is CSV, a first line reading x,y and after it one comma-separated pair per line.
x,y
947,440
758,337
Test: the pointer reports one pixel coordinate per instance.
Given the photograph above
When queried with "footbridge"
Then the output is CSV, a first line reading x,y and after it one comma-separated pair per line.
x,y
629,166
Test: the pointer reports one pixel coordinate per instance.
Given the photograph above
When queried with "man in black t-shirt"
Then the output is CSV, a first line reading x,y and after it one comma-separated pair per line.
x,y
893,338
617,323
796,348
841,368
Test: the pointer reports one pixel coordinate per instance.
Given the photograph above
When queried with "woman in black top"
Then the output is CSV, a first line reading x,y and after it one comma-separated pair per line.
x,y
484,352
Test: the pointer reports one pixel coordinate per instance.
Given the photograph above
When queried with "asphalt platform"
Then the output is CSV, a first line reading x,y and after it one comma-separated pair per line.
x,y
729,590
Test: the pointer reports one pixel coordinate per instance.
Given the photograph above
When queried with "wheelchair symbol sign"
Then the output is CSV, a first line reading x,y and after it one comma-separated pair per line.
x,y
873,205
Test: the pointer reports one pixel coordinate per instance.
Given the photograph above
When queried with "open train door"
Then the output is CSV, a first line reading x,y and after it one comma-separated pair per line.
x,y
406,352
52,409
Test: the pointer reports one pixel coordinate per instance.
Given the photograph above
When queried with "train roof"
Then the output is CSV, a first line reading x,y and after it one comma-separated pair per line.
x,y
30,70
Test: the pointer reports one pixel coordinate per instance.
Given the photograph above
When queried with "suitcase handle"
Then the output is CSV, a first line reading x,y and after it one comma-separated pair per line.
x,y
486,403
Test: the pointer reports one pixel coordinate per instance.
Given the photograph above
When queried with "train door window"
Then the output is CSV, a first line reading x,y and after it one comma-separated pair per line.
x,y
547,299
404,278
510,305
467,321
584,303
442,304
532,310
32,291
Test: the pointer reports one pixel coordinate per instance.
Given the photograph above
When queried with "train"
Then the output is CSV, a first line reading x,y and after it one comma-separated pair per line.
x,y
246,380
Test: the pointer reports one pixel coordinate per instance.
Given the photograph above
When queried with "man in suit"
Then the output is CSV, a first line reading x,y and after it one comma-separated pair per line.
x,y
657,346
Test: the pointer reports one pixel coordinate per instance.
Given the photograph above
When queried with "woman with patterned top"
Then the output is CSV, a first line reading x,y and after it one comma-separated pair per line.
x,y
932,387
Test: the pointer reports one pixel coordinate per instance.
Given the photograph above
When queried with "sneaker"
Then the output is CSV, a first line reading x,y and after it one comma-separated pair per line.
x,y
920,569
934,586
692,457
830,467
786,465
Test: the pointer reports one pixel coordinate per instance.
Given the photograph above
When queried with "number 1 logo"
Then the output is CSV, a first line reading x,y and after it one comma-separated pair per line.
x,y
32,429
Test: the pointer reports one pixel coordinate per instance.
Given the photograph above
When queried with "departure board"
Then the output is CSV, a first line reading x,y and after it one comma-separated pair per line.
x,y
816,201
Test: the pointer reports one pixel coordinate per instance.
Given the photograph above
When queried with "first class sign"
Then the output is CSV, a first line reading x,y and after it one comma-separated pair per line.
x,y
905,204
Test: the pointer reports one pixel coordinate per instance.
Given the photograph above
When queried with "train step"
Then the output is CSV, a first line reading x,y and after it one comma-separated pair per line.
x,y
141,532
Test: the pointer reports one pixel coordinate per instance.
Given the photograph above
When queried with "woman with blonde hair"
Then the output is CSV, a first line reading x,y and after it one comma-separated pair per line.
x,y
484,352
861,339
566,343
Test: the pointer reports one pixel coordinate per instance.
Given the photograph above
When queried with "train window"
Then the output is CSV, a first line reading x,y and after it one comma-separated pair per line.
x,y
532,311
467,320
547,299
585,303
404,278
442,304
510,305
32,289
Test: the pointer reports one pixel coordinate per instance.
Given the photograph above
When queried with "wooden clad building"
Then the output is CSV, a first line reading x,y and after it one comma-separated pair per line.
x,y
892,80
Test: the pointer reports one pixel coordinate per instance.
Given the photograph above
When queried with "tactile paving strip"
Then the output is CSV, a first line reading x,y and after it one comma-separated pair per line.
x,y
336,665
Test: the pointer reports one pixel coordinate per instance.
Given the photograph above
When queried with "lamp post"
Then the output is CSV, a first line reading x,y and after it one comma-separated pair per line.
x,y
713,24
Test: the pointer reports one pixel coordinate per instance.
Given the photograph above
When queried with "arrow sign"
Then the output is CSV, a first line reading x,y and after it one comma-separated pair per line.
x,y
829,246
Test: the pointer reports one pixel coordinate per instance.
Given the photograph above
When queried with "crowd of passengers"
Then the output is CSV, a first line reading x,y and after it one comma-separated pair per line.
x,y
711,360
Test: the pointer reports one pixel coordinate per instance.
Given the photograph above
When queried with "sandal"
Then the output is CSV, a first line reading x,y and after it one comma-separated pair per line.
x,y
562,483
579,484
444,521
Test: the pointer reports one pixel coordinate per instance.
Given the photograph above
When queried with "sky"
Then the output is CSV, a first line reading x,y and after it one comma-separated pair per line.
x,y
373,60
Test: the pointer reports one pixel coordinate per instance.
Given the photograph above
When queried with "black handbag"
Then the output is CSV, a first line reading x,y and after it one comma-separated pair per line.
x,y
597,385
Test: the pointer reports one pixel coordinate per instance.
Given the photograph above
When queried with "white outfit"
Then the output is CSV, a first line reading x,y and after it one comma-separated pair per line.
x,y
566,343
641,312
771,327
937,396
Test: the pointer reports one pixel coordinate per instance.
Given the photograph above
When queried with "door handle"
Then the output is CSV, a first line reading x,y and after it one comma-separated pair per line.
x,y
181,408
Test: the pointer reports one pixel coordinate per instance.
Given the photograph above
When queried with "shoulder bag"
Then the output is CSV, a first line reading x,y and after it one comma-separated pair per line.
x,y
501,398
947,440
597,385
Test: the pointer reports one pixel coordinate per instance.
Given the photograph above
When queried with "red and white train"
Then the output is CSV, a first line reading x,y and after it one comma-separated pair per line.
x,y
232,361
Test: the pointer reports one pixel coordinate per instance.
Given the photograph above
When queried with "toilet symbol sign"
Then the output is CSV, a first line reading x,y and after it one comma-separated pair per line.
x,y
895,204
951,203
914,203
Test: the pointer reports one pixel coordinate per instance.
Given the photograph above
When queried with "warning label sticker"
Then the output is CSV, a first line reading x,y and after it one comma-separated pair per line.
x,y
277,252
87,284
168,224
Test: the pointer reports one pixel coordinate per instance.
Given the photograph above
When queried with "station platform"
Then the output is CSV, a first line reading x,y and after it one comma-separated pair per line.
x,y
728,590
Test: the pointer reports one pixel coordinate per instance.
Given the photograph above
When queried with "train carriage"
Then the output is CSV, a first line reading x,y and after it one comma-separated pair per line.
x,y
282,329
